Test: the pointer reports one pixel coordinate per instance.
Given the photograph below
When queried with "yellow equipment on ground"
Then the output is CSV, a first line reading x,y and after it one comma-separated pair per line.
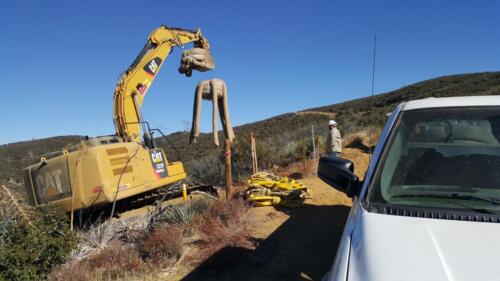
x,y
105,169
266,189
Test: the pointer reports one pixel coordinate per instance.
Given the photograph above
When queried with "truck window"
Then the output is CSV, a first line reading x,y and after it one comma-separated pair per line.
x,y
442,158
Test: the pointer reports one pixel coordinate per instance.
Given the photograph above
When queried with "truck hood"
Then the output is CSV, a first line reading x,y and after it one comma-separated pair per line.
x,y
387,247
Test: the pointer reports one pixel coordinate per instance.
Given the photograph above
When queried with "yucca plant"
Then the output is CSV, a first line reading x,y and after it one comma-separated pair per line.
x,y
290,150
297,150
95,238
183,214
101,235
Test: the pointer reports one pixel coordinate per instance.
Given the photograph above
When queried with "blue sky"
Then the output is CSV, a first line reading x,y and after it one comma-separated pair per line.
x,y
59,60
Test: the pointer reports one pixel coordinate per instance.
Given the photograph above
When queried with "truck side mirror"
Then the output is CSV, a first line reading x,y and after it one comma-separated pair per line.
x,y
339,173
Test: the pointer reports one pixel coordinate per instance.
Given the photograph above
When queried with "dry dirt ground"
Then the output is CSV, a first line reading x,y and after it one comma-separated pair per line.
x,y
292,244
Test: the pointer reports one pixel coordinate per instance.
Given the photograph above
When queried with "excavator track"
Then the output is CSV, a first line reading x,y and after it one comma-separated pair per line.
x,y
165,193
169,192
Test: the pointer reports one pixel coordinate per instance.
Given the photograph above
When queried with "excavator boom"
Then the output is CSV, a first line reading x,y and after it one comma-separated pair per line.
x,y
136,80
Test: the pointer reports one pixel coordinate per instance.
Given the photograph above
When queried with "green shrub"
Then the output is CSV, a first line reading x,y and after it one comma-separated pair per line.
x,y
208,169
30,251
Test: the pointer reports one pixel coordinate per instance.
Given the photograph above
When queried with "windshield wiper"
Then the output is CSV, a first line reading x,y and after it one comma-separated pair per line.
x,y
493,201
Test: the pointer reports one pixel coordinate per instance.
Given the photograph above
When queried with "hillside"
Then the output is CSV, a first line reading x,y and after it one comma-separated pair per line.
x,y
15,156
351,115
272,134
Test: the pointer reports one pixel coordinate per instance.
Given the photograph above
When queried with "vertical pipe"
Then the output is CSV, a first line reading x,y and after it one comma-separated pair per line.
x,y
184,192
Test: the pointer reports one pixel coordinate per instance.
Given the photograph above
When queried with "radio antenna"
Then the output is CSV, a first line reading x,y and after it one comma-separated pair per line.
x,y
371,99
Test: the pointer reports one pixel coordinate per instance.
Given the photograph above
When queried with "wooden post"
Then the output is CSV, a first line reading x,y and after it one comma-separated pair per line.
x,y
255,155
255,167
229,174
251,153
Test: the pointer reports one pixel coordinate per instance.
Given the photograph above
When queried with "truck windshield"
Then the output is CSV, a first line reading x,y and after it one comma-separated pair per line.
x,y
447,158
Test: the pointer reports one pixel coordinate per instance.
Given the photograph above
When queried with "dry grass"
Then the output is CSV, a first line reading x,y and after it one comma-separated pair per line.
x,y
297,170
114,262
125,249
361,139
162,244
10,205
75,271
224,224
122,249
117,261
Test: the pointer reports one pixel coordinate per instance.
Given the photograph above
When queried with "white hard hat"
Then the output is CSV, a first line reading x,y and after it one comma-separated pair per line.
x,y
332,123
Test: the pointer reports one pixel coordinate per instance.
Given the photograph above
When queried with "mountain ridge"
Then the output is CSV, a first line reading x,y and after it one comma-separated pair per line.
x,y
275,132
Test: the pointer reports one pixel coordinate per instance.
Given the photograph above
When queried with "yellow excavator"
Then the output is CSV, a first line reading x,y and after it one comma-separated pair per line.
x,y
105,169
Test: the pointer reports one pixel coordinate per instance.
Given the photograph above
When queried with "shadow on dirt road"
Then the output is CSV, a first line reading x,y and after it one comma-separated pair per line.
x,y
302,248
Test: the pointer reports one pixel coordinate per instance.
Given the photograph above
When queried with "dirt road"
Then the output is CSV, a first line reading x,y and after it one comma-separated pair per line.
x,y
292,244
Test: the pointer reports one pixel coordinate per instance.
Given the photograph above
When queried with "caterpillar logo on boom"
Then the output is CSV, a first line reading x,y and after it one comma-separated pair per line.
x,y
152,66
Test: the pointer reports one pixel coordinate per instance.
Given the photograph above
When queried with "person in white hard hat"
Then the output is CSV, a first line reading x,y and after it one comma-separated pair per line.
x,y
333,139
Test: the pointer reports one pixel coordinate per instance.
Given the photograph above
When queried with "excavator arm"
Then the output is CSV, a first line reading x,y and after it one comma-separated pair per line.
x,y
136,80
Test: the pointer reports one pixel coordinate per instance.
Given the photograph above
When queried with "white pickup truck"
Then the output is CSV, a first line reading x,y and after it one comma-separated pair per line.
x,y
429,205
